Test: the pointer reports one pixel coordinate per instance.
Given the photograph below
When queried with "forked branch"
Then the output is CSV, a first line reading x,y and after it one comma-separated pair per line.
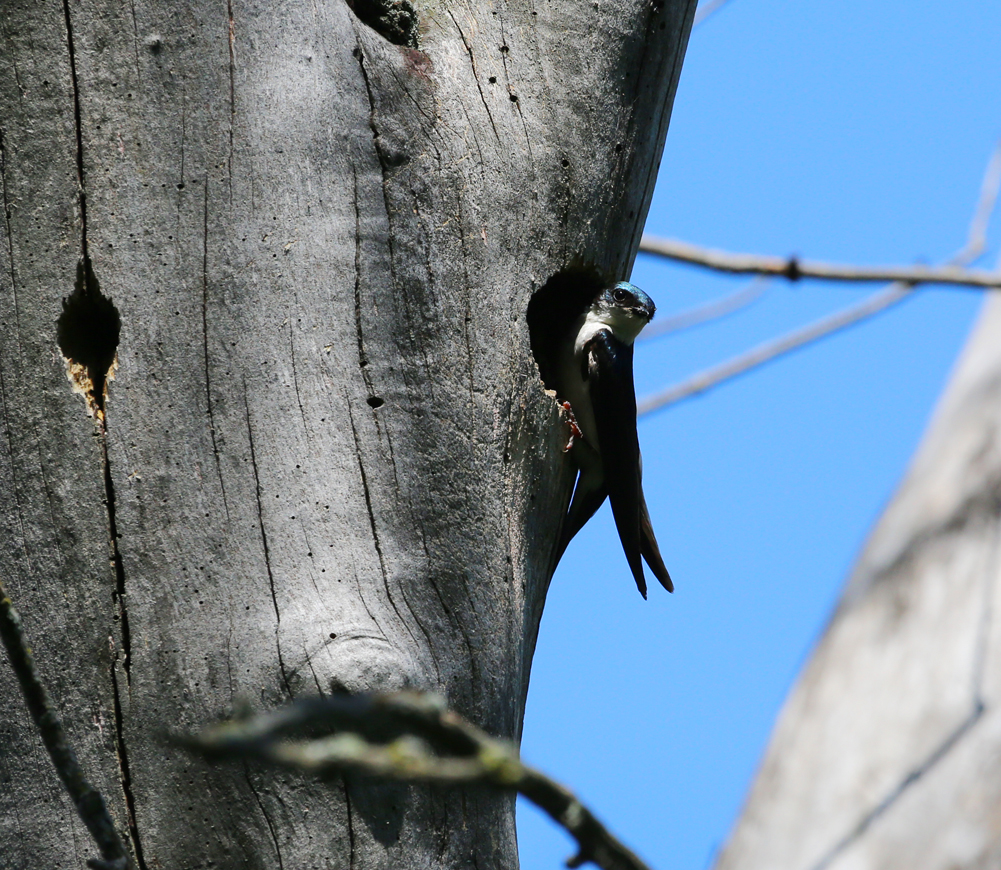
x,y
881,300
410,737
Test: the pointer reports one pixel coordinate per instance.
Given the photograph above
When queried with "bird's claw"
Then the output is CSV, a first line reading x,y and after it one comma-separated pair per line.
x,y
567,412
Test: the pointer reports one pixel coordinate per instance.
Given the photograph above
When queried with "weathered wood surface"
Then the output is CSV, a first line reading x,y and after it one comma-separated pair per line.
x,y
326,459
888,752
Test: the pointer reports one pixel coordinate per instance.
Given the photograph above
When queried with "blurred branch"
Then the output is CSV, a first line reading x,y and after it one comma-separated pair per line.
x,y
761,354
709,311
409,737
794,269
89,803
707,8
976,236
976,240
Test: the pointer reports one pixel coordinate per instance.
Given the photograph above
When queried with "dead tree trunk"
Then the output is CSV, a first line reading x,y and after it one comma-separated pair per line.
x,y
271,424
888,752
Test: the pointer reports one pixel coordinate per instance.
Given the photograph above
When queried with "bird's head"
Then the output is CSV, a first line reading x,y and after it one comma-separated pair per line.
x,y
624,309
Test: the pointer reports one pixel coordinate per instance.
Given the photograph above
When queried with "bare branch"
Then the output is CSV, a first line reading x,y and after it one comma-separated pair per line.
x,y
89,803
409,737
976,237
707,8
896,292
794,269
709,311
769,350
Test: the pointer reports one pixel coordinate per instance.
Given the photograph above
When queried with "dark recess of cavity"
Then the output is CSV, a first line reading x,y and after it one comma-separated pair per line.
x,y
88,330
396,20
553,309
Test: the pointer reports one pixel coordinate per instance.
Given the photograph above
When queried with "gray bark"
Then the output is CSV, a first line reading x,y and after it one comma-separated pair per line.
x,y
888,752
325,459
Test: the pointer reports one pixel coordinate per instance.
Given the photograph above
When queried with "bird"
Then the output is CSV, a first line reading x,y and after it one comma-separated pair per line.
x,y
594,368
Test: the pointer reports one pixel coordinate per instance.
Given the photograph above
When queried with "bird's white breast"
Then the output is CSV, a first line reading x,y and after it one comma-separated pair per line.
x,y
571,374
622,323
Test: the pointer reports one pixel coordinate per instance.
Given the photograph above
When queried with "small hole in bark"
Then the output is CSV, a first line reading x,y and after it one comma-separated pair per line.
x,y
396,20
514,98
87,331
375,402
492,80
552,311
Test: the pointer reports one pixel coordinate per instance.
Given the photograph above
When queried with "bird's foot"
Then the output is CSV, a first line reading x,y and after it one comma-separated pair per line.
x,y
567,413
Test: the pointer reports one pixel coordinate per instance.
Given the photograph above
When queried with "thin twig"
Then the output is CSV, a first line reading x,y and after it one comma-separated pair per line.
x,y
408,737
89,803
976,240
761,354
708,311
976,237
795,269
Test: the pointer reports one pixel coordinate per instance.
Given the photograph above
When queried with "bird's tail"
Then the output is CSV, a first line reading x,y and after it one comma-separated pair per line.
x,y
650,550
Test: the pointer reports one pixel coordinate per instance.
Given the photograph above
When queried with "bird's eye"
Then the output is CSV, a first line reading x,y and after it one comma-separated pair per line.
x,y
620,295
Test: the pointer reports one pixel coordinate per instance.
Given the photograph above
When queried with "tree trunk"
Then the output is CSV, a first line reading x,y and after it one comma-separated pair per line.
x,y
887,755
323,457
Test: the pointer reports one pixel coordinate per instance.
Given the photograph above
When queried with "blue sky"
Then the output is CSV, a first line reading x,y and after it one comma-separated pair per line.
x,y
846,131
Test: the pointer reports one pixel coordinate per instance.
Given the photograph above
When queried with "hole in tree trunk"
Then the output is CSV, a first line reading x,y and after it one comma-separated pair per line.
x,y
396,20
87,332
552,311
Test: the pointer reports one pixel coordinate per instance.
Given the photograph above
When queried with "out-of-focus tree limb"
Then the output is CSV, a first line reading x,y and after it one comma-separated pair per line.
x,y
409,737
795,269
88,801
706,9
886,753
707,312
761,354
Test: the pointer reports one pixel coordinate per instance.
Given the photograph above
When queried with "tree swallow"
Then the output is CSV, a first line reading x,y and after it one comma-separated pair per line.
x,y
595,382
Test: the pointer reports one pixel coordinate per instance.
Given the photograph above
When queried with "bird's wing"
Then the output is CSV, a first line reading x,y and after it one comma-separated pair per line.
x,y
610,384
588,496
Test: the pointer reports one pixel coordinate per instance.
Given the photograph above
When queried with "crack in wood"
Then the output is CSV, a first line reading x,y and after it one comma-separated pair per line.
x,y
124,770
384,162
362,356
10,236
295,376
205,345
351,829
375,537
232,89
81,176
476,77
264,543
952,739
912,777
267,818
88,330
